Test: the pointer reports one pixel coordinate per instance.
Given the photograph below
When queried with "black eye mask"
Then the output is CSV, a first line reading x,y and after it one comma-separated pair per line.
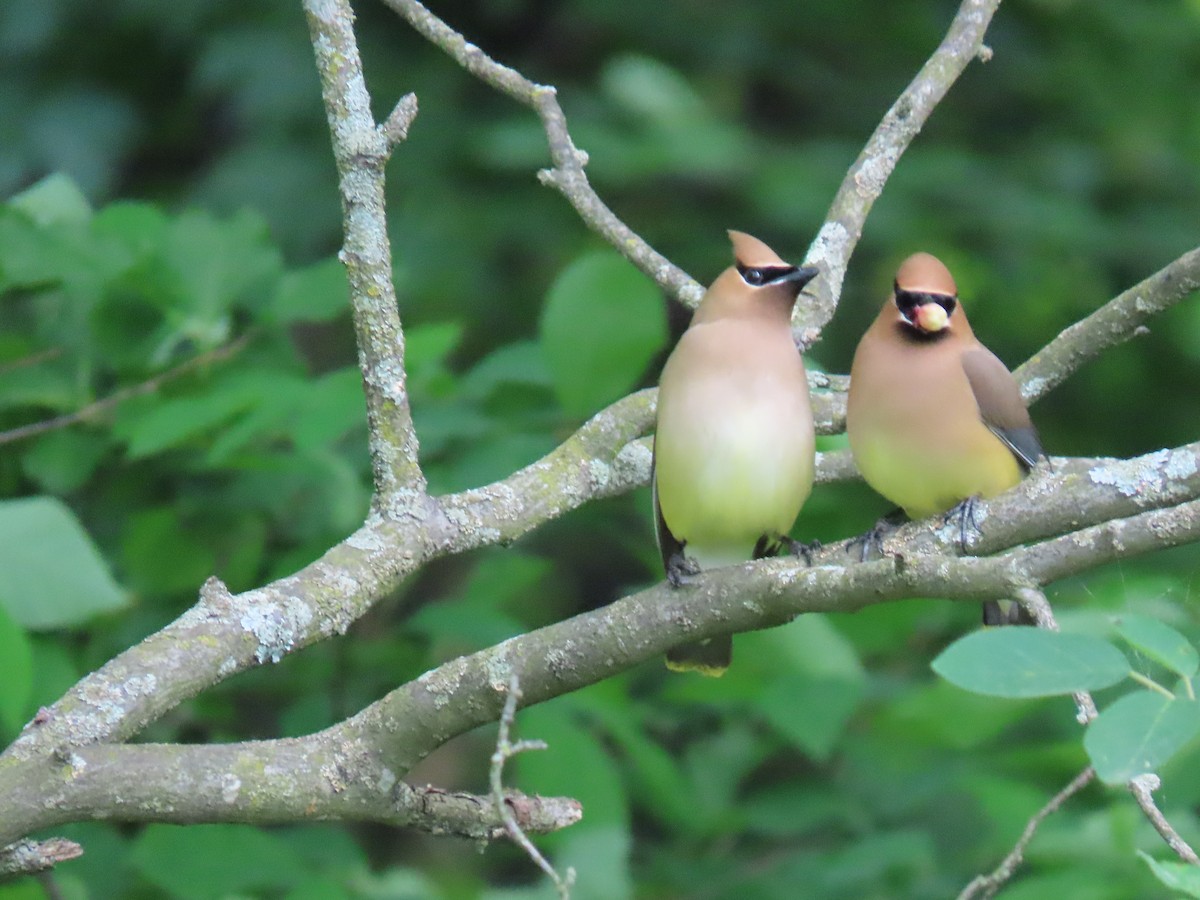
x,y
757,276
907,301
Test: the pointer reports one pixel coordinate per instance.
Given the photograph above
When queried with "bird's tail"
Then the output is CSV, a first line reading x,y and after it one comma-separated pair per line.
x,y
709,657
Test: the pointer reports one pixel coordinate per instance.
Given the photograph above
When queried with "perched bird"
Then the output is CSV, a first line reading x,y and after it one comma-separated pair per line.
x,y
934,418
733,448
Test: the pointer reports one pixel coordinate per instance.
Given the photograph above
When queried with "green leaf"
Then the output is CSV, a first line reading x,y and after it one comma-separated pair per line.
x,y
1030,662
163,556
152,427
317,293
1160,642
209,861
1139,733
16,674
574,764
651,89
62,461
819,683
601,326
53,575
1184,878
221,263
518,363
600,857
55,199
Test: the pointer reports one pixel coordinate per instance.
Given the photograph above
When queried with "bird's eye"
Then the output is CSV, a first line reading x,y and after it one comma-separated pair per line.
x,y
754,276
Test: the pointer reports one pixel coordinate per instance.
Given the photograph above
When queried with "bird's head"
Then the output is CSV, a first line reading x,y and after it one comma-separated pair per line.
x,y
925,294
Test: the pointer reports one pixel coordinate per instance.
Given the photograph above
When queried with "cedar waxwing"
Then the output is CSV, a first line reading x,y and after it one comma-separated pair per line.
x,y
934,418
733,448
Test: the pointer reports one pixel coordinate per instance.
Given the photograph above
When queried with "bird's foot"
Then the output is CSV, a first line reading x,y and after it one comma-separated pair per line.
x,y
870,542
968,528
801,549
681,570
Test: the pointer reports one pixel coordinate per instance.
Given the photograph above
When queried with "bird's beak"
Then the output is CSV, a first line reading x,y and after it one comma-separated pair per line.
x,y
930,317
802,276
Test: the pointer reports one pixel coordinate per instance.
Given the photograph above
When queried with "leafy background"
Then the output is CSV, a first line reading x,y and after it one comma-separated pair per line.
x,y
196,209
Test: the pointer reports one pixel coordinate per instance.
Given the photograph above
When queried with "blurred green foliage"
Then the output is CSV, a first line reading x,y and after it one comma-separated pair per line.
x,y
191,236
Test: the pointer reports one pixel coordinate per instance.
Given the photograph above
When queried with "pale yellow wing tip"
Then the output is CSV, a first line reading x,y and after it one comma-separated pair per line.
x,y
698,668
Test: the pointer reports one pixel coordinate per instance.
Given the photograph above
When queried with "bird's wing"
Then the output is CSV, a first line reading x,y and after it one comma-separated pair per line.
x,y
1001,406
668,545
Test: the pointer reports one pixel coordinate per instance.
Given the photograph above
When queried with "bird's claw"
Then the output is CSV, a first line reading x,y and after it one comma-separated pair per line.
x,y
681,570
965,513
803,550
872,538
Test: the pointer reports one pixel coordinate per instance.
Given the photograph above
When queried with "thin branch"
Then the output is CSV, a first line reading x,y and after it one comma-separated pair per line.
x,y
33,359
1035,603
567,175
149,386
831,249
1142,788
395,126
29,857
503,801
1112,324
361,150
991,883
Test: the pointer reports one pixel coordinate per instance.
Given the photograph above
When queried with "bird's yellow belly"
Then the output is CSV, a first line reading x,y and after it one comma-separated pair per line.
x,y
726,484
924,480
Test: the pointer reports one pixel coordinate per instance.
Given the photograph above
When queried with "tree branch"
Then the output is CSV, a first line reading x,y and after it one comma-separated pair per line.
x,y
1142,788
29,857
1112,324
225,634
149,386
334,774
835,242
361,150
567,175
343,767
1035,602
989,884
503,800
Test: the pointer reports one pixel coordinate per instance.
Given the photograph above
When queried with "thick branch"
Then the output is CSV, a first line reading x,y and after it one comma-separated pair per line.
x,y
346,768
361,150
568,655
567,176
1078,492
863,184
225,634
325,776
1112,324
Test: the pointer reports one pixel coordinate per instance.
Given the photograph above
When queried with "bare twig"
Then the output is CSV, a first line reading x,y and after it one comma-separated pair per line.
x,y
361,150
505,750
28,857
149,386
1112,324
33,359
864,182
1142,788
989,884
567,176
